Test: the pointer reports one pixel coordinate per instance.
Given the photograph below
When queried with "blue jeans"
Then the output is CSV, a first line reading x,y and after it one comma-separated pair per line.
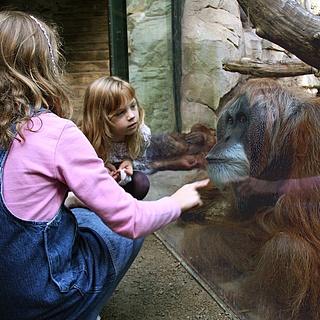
x,y
65,269
122,253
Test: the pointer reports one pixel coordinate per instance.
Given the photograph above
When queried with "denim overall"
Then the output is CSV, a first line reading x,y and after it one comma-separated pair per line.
x,y
66,268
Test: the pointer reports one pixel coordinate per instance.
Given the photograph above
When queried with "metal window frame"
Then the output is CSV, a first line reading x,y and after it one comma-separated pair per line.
x,y
119,60
118,39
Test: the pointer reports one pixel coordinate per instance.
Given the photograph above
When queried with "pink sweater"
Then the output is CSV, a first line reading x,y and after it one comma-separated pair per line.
x,y
58,157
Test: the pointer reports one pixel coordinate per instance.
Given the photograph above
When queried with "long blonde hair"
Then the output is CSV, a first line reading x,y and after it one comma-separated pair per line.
x,y
31,72
102,98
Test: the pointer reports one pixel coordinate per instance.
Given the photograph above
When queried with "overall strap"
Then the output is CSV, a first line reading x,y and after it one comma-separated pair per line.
x,y
42,109
3,156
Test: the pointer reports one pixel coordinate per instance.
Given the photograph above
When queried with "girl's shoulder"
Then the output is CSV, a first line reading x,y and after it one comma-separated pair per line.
x,y
146,132
48,126
48,121
55,123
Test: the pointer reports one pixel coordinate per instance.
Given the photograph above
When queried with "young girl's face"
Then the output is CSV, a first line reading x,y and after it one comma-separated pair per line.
x,y
126,120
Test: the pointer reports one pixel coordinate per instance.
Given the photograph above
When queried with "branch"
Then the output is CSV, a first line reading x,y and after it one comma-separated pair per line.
x,y
258,68
287,24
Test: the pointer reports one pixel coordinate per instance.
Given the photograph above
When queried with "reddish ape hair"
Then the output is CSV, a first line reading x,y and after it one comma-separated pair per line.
x,y
273,256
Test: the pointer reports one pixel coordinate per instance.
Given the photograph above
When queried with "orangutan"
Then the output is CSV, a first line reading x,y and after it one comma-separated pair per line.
x,y
267,159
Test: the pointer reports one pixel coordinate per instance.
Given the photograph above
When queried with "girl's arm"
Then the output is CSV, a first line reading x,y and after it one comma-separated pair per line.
x,y
114,173
79,167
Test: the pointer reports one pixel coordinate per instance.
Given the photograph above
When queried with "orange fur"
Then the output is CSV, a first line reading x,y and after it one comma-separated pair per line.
x,y
274,257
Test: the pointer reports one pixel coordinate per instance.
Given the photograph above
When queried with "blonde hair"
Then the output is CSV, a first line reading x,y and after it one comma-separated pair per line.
x,y
31,72
101,100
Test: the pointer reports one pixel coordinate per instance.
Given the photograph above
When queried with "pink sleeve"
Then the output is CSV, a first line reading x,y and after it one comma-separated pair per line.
x,y
79,167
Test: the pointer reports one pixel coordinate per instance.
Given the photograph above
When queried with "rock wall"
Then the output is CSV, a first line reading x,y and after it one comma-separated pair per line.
x,y
150,60
212,30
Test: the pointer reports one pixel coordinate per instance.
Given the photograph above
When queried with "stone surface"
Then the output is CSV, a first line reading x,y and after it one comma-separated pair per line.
x,y
212,31
158,287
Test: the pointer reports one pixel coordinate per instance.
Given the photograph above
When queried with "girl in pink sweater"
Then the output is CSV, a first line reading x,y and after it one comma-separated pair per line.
x,y
59,264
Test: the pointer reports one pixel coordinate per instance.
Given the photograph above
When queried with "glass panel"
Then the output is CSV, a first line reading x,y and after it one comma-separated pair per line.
x,y
253,261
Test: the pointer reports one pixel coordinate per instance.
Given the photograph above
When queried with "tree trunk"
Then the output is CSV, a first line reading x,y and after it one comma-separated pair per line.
x,y
286,23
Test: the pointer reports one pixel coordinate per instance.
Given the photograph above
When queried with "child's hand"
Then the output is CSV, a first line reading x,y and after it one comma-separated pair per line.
x,y
111,168
125,171
188,197
114,173
127,165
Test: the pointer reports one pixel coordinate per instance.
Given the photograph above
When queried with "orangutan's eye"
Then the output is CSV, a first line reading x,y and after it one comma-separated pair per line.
x,y
229,120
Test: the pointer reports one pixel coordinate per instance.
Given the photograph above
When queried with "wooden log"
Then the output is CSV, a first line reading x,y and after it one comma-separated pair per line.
x,y
259,68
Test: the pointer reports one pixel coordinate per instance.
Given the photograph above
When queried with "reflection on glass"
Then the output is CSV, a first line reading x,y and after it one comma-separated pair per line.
x,y
255,241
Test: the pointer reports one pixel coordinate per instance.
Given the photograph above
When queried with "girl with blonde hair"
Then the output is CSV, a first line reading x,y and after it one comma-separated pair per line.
x,y
57,263
113,121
